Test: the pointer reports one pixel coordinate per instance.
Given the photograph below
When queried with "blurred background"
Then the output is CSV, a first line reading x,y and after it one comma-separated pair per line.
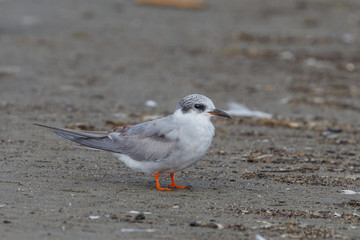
x,y
293,58
94,64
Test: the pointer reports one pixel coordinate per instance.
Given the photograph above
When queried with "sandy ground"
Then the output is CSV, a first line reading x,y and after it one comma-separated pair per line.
x,y
97,63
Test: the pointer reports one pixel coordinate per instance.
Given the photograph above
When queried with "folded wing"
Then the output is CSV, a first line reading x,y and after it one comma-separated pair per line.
x,y
149,141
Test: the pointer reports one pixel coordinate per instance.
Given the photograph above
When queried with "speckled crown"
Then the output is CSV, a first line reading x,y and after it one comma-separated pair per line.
x,y
187,102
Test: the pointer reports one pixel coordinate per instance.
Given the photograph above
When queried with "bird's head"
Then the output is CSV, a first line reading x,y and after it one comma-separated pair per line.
x,y
200,105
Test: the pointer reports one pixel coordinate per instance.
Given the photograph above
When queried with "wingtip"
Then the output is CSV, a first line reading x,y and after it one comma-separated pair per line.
x,y
42,125
49,127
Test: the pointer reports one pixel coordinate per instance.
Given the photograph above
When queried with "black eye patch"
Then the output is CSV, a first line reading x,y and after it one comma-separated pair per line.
x,y
200,107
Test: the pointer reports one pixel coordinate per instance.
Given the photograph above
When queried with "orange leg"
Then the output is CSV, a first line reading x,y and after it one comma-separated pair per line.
x,y
158,184
173,185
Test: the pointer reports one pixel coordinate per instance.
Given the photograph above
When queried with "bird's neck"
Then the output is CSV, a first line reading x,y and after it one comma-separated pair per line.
x,y
194,123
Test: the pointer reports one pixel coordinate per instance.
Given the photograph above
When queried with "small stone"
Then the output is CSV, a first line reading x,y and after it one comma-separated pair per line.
x,y
350,67
193,224
140,216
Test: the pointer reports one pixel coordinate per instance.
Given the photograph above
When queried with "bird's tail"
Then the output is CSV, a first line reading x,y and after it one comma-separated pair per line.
x,y
92,139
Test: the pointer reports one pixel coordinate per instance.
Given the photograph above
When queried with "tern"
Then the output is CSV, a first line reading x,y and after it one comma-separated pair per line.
x,y
166,145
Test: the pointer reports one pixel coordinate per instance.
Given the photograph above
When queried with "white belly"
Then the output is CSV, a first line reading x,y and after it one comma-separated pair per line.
x,y
193,145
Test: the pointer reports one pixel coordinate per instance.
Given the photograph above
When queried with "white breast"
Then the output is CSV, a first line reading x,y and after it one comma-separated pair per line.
x,y
195,136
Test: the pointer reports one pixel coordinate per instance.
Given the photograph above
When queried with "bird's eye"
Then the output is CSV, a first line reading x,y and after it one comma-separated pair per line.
x,y
199,106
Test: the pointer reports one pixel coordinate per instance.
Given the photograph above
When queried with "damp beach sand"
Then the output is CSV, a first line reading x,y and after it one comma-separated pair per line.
x,y
292,173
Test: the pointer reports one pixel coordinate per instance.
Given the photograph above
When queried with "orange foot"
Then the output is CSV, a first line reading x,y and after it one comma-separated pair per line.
x,y
163,189
173,185
158,184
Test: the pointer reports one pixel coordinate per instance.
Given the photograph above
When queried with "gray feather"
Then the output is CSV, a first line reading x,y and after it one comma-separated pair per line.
x,y
102,143
142,142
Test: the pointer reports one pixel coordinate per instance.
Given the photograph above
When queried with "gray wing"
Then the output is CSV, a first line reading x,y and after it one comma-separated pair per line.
x,y
93,139
149,141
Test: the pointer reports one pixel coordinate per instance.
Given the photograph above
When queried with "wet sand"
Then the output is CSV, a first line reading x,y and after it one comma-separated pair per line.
x,y
94,64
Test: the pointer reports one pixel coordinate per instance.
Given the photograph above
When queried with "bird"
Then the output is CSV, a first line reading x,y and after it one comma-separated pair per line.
x,y
165,145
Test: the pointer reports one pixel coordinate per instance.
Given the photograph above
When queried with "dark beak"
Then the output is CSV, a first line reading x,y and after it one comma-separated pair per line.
x,y
220,113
